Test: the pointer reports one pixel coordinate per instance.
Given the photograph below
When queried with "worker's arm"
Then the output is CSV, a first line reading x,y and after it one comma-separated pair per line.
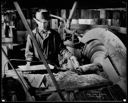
x,y
29,50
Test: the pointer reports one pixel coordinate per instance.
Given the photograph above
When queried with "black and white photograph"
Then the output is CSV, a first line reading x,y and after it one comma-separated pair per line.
x,y
64,50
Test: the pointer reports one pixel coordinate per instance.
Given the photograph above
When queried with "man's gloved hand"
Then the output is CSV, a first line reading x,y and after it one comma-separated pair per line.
x,y
29,57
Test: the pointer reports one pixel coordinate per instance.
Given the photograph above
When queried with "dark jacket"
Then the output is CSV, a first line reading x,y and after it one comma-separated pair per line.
x,y
51,46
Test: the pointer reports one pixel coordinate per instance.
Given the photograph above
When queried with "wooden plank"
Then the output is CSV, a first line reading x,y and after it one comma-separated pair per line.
x,y
24,68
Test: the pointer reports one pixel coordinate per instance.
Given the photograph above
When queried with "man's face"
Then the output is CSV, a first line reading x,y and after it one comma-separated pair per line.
x,y
42,24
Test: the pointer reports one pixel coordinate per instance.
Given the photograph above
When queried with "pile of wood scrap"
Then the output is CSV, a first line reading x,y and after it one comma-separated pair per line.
x,y
77,87
69,79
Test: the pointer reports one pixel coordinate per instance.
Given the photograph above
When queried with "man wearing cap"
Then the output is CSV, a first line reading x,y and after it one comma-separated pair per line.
x,y
48,40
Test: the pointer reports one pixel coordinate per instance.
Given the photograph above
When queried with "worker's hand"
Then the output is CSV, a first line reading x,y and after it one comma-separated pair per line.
x,y
28,65
29,56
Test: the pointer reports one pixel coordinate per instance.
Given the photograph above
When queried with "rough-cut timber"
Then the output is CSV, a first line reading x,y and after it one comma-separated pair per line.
x,y
71,79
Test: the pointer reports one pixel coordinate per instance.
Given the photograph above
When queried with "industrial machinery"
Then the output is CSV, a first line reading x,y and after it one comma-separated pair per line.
x,y
99,80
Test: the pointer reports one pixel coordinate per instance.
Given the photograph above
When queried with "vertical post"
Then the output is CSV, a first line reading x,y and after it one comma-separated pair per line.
x,y
63,13
103,16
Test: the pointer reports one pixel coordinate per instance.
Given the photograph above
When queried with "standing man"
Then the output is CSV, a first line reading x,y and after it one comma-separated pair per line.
x,y
48,40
